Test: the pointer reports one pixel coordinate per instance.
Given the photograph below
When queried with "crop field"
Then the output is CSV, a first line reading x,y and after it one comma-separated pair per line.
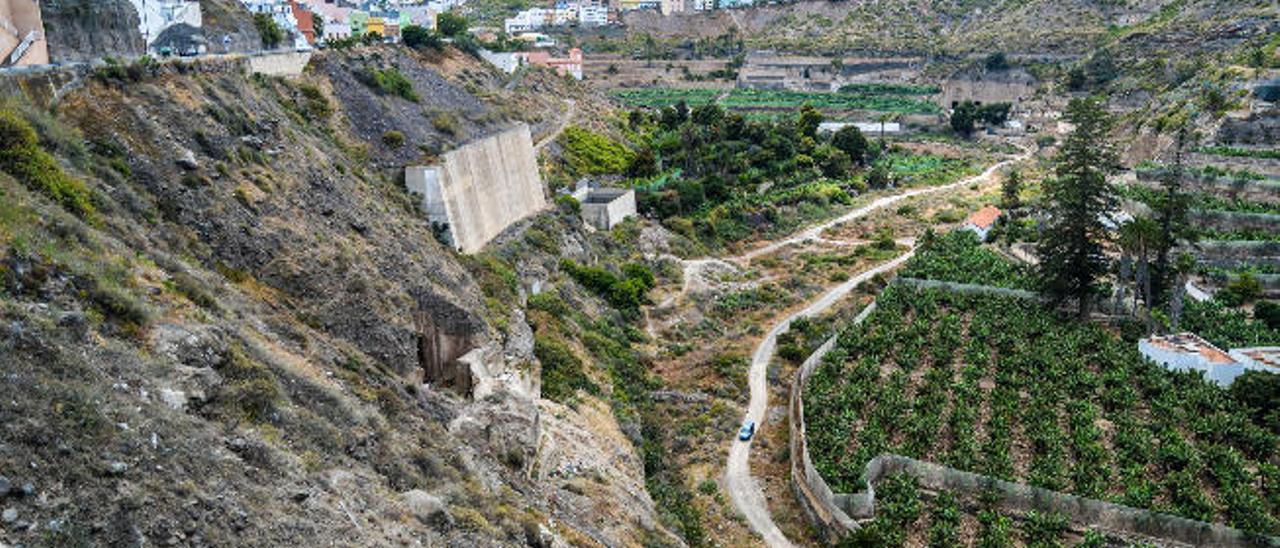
x,y
1004,388
876,98
957,257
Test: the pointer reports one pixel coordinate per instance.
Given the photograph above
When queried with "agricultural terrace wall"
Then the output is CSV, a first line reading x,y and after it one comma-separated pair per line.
x,y
1267,191
288,63
481,188
1231,221
1241,250
835,515
1265,166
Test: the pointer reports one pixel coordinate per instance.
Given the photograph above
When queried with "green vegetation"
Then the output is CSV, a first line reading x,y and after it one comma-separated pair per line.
x,y
1227,327
590,153
713,176
271,33
625,293
562,372
421,38
389,81
872,97
911,380
1071,254
22,157
877,88
958,257
1237,152
1198,200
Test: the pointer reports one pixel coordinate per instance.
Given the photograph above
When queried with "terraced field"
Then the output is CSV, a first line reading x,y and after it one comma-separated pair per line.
x,y
1003,387
868,97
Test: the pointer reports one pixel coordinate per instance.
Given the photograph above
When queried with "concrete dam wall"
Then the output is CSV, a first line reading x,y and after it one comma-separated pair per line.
x,y
481,188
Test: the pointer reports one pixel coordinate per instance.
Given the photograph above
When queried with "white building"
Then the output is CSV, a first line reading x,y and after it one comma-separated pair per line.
x,y
1190,352
157,16
982,221
527,20
593,14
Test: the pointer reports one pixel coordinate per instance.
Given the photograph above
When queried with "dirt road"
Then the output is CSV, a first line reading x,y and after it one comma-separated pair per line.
x,y
744,491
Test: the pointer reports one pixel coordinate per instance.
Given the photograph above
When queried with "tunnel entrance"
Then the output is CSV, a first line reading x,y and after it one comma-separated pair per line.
x,y
445,333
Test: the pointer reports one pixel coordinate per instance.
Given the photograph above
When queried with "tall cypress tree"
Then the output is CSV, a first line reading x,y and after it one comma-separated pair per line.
x,y
1071,248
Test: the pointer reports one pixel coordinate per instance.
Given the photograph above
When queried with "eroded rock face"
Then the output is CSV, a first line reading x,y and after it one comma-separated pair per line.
x,y
503,425
584,458
81,30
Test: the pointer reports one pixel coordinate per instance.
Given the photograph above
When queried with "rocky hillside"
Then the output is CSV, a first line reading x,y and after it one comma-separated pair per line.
x,y
212,292
81,30
950,27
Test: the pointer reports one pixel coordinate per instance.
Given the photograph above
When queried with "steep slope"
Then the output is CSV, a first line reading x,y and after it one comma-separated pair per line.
x,y
213,292
946,27
80,30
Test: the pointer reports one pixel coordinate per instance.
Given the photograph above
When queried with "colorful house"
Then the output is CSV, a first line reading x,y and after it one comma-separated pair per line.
x,y
982,221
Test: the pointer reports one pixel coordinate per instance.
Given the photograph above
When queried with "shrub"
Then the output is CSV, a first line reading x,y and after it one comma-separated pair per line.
x,y
22,157
271,33
446,123
626,294
587,152
393,139
390,81
419,38
562,374
248,385
1268,312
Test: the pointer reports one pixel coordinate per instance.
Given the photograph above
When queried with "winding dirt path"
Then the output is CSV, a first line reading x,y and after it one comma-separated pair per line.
x,y
564,122
744,490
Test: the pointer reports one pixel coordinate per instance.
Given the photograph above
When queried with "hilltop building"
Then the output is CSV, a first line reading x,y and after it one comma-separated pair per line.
x,y
22,39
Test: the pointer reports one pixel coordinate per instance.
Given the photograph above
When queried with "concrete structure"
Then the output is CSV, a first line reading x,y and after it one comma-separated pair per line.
x,y
866,127
22,39
1261,358
982,221
604,208
480,189
289,63
1189,352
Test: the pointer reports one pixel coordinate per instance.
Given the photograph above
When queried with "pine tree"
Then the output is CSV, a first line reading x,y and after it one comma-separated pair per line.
x,y
1071,249
1172,214
1009,190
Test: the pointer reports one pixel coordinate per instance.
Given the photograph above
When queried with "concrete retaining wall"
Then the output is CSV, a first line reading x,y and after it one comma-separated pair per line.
x,y
481,188
1264,166
286,63
1228,221
835,515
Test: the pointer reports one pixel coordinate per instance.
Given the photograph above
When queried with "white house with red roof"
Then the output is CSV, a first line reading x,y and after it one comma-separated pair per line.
x,y
982,221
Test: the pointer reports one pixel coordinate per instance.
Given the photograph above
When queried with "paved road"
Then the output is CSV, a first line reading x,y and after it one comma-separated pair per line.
x,y
744,491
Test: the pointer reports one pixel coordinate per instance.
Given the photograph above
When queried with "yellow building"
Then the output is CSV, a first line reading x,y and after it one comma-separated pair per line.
x,y
376,25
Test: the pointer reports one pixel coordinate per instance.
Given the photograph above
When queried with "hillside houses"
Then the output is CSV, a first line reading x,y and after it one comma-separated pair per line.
x,y
982,221
509,62
587,13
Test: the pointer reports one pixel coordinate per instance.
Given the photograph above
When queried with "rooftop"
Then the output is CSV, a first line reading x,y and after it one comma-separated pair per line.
x,y
1190,343
1267,356
985,217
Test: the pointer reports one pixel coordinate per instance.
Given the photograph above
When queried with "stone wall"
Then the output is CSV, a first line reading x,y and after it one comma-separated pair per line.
x,y
1266,191
286,63
481,188
1230,221
1265,166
